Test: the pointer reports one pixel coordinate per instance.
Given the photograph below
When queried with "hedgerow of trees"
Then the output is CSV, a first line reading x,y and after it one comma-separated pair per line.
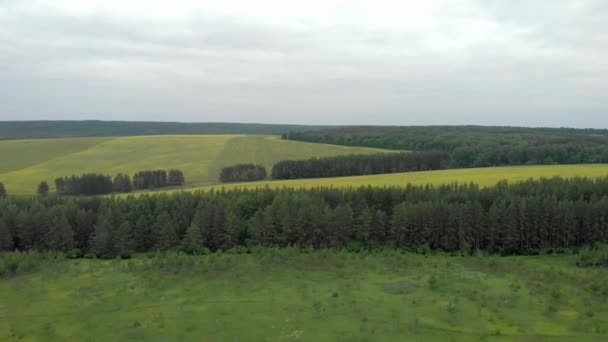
x,y
355,165
157,179
242,173
97,184
476,146
508,218
87,184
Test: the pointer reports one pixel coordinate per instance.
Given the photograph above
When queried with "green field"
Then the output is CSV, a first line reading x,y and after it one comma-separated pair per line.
x,y
27,162
483,176
278,295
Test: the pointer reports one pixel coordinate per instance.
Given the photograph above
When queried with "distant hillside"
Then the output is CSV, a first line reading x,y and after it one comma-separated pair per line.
x,y
26,162
476,146
68,129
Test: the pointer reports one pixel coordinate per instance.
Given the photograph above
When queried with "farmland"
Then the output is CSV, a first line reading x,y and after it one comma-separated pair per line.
x,y
27,162
483,176
296,265
285,294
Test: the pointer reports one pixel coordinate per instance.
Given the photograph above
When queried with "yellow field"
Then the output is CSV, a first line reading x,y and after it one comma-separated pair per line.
x,y
24,163
482,176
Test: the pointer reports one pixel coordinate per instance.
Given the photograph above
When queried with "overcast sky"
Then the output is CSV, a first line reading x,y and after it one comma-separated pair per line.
x,y
499,62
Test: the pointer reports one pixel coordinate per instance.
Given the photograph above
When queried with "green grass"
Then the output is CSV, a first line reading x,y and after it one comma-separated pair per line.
x,y
20,154
483,176
27,162
275,295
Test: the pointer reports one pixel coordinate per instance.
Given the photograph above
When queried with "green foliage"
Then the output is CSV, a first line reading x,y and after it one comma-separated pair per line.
x,y
594,257
3,193
6,238
290,294
357,165
111,239
60,236
164,230
75,253
199,157
476,146
531,218
242,173
122,183
175,178
487,176
193,241
86,184
19,263
43,189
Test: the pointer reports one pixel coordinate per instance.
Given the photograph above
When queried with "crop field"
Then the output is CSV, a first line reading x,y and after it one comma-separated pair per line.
x,y
483,176
27,162
285,294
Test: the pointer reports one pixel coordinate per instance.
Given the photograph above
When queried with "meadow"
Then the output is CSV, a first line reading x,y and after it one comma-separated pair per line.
x,y
288,294
25,163
487,176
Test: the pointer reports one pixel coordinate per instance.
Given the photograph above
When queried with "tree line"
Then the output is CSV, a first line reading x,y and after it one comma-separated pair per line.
x,y
356,165
242,173
507,218
90,184
476,146
157,179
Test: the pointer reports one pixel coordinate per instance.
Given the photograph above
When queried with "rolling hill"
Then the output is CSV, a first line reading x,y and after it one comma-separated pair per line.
x,y
27,162
94,128
483,176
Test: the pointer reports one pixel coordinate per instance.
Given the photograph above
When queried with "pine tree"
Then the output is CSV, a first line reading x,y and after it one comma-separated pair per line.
x,y
193,241
378,227
365,224
165,232
43,189
233,229
6,239
60,236
341,225
103,242
400,226
2,190
122,183
122,239
84,229
142,237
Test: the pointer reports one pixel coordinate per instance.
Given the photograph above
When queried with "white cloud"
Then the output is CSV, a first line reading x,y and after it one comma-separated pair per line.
x,y
348,62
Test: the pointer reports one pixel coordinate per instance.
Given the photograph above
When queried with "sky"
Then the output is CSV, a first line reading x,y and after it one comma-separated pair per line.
x,y
381,62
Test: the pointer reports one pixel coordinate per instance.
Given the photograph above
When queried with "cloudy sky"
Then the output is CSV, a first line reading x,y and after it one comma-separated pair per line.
x,y
396,62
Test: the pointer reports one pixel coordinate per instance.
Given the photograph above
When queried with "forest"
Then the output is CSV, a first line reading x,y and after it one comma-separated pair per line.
x,y
475,146
357,165
520,218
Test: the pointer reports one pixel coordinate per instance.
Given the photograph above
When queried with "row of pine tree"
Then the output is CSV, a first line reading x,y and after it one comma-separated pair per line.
x,y
508,218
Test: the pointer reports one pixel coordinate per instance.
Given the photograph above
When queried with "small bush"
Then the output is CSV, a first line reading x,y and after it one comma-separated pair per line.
x,y
594,257
75,253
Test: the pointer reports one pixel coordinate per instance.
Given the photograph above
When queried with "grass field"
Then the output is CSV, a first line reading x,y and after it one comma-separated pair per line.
x,y
278,295
482,176
27,162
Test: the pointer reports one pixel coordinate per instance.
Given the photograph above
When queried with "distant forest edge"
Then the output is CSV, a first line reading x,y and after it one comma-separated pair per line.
x,y
358,165
69,129
475,146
